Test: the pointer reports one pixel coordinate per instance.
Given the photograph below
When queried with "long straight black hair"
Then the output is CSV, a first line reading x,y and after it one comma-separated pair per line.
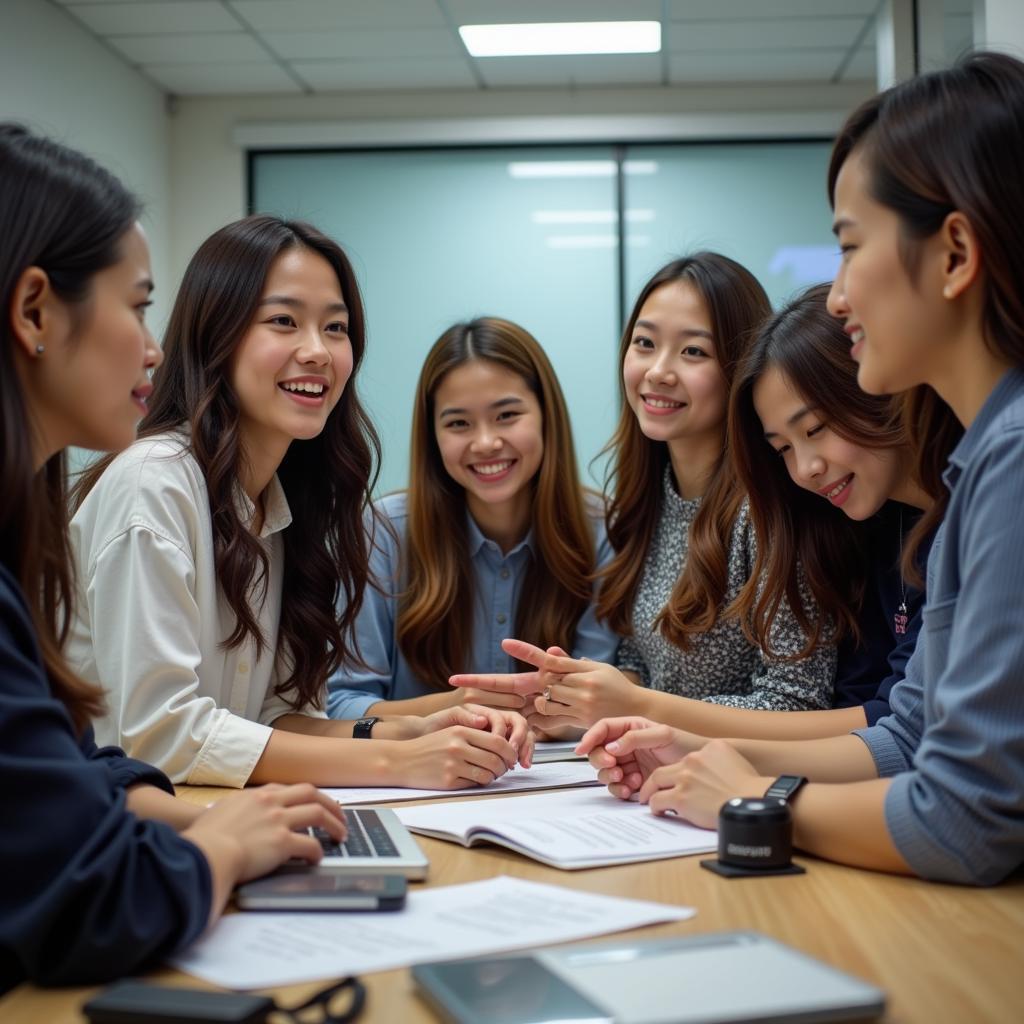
x,y
66,215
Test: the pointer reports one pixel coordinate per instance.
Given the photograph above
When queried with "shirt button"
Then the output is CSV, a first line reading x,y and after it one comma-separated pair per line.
x,y
501,618
505,574
243,666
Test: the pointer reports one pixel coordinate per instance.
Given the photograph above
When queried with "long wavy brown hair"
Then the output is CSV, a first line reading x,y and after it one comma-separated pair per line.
x,y
945,141
808,346
736,305
434,628
68,216
326,479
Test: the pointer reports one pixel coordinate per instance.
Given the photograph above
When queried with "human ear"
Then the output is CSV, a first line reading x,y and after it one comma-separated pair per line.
x,y
34,317
961,255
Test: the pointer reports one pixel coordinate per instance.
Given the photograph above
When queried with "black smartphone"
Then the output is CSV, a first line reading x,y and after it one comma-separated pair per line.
x,y
135,1002
313,890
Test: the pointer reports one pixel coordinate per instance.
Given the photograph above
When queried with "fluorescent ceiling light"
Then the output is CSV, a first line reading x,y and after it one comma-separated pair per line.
x,y
593,241
562,37
577,168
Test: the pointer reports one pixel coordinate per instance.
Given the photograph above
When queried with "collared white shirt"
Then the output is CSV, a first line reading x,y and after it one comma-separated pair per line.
x,y
150,619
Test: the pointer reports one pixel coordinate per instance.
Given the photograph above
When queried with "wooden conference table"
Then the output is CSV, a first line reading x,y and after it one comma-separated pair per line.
x,y
942,953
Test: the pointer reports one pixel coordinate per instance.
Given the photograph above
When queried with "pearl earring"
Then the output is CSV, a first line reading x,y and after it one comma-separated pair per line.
x,y
40,349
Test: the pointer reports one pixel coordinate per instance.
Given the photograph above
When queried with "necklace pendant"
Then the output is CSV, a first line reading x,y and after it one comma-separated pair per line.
x,y
900,619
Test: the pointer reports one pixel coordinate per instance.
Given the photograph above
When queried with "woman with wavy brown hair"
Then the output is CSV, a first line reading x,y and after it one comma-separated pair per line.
x,y
494,535
684,543
212,554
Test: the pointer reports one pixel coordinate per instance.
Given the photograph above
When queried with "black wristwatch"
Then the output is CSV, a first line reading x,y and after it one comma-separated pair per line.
x,y
785,786
363,729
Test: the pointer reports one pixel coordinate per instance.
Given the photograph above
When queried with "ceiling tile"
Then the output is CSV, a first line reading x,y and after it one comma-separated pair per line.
x,y
153,18
749,10
788,33
313,15
364,44
328,76
216,48
597,70
221,79
863,67
778,66
487,12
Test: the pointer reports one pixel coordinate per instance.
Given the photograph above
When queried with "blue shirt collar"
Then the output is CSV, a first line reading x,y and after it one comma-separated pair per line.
x,y
477,540
1009,388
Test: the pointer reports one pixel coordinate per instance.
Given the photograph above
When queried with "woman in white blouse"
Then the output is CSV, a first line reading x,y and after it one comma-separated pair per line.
x,y
210,555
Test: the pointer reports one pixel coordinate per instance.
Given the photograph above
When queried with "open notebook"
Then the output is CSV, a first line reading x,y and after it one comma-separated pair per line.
x,y
571,829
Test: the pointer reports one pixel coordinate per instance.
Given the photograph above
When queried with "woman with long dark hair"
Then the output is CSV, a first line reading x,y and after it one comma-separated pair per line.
x,y
494,535
104,871
680,525
237,520
929,292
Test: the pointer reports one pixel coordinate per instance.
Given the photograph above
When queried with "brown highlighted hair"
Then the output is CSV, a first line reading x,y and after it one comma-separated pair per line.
x,y
62,213
945,141
736,305
808,346
433,630
326,479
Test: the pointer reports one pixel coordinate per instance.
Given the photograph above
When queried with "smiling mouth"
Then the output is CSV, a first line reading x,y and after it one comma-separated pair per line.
x,y
833,492
664,404
492,469
303,387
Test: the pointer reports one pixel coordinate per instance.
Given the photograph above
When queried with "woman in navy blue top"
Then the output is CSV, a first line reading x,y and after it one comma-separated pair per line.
x,y
103,870
930,292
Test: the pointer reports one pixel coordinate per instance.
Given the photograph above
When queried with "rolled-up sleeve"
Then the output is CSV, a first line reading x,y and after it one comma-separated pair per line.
x,y
958,814
145,628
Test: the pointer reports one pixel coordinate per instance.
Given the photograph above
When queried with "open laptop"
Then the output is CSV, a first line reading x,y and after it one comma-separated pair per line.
x,y
377,843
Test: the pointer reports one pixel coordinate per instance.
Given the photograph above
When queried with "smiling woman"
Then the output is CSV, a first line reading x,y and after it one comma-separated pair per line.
x,y
211,555
494,512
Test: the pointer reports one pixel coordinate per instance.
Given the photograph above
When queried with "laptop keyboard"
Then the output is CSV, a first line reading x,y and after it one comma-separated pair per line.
x,y
367,837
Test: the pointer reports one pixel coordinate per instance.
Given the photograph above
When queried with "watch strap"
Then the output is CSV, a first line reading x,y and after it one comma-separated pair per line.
x,y
363,729
785,786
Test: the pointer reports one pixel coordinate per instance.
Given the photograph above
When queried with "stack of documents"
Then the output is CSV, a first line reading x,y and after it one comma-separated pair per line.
x,y
569,829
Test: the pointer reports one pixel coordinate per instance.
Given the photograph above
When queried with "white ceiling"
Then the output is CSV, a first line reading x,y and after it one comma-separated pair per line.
x,y
215,47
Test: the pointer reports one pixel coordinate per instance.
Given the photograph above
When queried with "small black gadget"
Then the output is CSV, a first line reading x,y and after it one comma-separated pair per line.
x,y
785,786
313,890
363,729
755,837
135,1002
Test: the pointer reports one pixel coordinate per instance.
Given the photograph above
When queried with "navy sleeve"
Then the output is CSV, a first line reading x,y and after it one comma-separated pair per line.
x,y
125,771
89,892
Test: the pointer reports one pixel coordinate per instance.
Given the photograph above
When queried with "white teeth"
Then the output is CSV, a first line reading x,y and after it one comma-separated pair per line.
x,y
661,403
857,335
306,386
838,488
492,469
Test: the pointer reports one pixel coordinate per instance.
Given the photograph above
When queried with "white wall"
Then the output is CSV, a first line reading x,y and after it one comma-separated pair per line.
x,y
207,169
60,80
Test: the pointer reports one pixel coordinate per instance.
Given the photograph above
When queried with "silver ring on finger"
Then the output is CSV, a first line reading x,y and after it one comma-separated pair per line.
x,y
547,693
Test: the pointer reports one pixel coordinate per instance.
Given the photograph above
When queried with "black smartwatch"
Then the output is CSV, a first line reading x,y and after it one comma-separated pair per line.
x,y
785,786
363,729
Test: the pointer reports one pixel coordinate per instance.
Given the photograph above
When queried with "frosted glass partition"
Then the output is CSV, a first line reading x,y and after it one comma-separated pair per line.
x,y
763,204
441,236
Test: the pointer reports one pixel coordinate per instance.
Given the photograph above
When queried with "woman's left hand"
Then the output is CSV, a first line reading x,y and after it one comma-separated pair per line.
x,y
696,787
510,725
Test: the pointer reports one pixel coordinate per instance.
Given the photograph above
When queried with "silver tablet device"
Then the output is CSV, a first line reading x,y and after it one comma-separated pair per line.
x,y
706,979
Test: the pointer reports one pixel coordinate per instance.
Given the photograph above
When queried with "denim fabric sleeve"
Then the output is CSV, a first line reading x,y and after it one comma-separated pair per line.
x,y
594,639
957,815
353,688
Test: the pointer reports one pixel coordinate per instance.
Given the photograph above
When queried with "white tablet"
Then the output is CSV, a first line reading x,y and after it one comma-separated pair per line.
x,y
706,979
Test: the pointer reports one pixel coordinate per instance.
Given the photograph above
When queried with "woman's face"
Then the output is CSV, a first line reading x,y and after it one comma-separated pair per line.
x,y
489,430
89,385
293,363
855,479
896,324
672,378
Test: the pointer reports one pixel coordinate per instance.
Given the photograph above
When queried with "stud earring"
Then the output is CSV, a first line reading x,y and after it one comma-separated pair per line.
x,y
40,349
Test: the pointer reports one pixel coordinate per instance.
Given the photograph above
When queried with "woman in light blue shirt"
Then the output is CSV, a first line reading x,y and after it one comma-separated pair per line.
x,y
494,535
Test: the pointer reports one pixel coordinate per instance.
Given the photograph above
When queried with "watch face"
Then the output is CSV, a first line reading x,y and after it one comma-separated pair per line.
x,y
363,728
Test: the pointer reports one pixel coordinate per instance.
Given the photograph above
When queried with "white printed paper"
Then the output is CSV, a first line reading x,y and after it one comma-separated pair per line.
x,y
260,950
